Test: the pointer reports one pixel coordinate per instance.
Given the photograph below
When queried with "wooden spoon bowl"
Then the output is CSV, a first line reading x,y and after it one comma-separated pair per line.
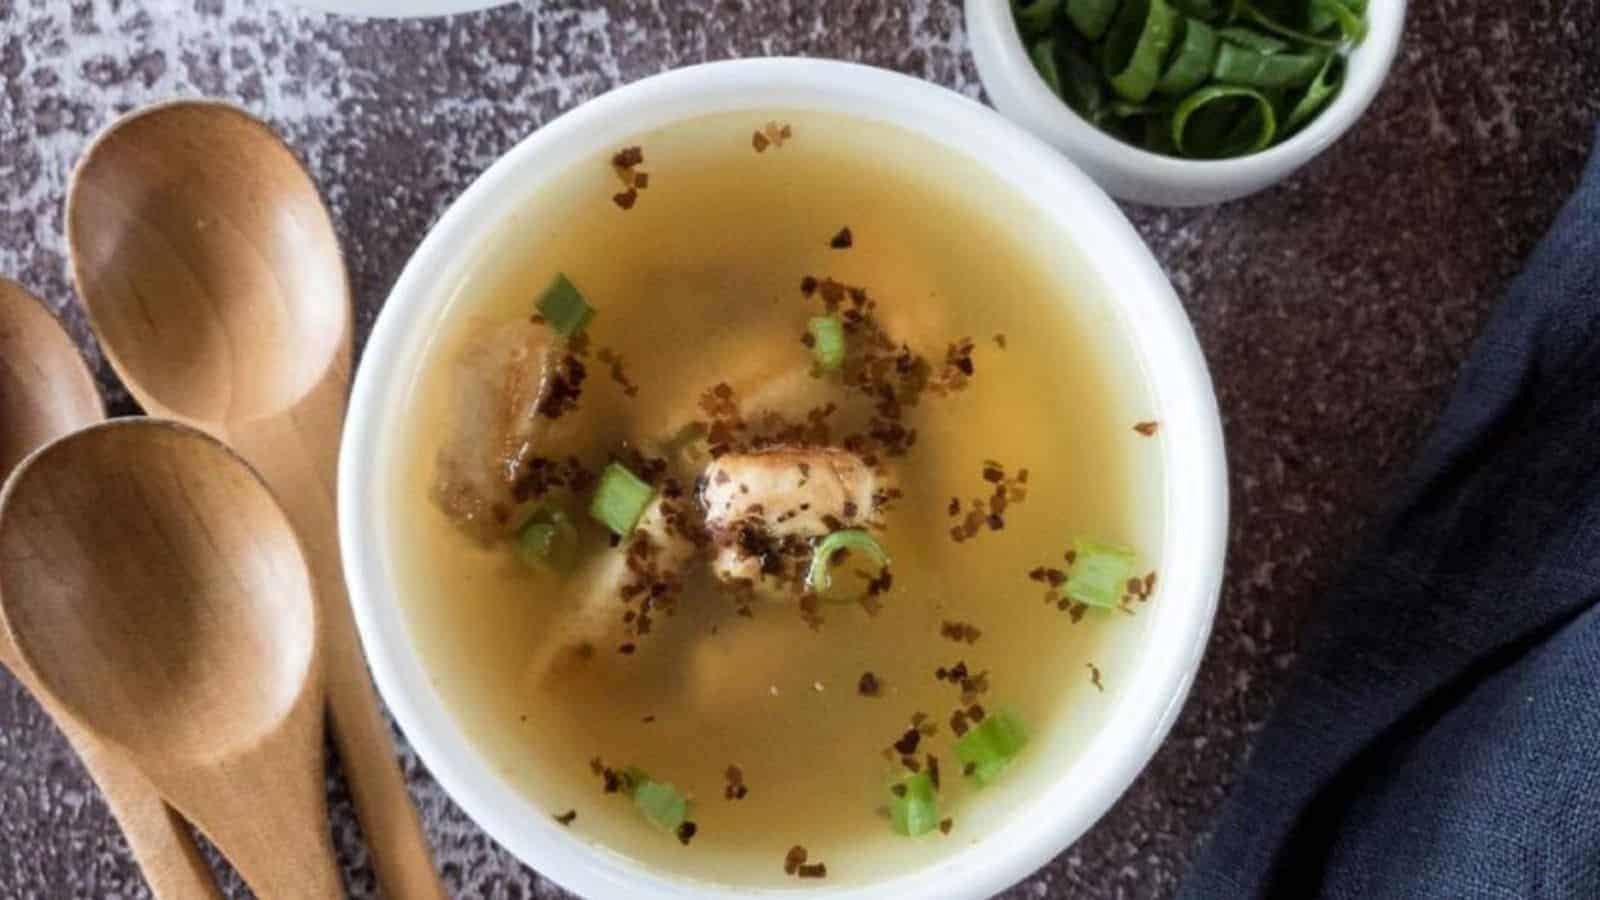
x,y
45,389
156,590
167,602
206,261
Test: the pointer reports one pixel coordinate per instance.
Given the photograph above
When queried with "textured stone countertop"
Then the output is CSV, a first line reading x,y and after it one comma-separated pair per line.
x,y
1334,308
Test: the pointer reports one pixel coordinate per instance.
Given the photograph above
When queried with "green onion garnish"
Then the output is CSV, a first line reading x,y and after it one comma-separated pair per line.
x,y
1271,23
1044,60
1099,574
664,805
1320,91
820,577
563,306
1221,120
1241,65
913,806
1035,16
548,539
1345,13
1136,47
991,745
1092,17
827,341
1206,79
620,499
1246,37
1191,60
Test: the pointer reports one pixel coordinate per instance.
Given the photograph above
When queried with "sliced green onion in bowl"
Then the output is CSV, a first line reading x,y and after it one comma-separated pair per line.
x,y
819,578
1192,59
1249,11
548,539
1043,55
1237,65
1035,16
913,805
1092,17
663,805
563,306
991,745
1099,574
1082,86
1255,40
1136,47
1222,121
827,342
1324,14
1318,93
1202,79
620,499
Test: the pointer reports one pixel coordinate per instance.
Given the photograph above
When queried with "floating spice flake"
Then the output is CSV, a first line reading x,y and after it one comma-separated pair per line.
x,y
625,164
989,512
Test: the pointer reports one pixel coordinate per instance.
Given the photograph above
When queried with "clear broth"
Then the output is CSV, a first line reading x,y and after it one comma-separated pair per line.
x,y
702,272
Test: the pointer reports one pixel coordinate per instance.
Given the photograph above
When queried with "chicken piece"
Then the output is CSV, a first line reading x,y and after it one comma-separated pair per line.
x,y
502,374
764,507
642,575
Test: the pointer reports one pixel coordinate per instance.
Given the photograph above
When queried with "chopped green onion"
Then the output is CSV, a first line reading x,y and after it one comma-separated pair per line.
x,y
1044,60
819,578
1081,83
548,539
1192,59
1204,79
1247,10
1317,94
1092,17
1124,109
620,499
564,308
664,805
991,746
1035,16
827,342
1199,9
1137,45
1255,40
1099,574
1326,13
1222,120
1243,66
913,806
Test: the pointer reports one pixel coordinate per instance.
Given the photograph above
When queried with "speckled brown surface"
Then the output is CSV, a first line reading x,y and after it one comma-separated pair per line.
x,y
1334,309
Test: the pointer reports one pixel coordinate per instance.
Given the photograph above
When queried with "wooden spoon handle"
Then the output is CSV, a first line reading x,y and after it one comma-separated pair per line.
x,y
266,808
389,821
158,837
292,454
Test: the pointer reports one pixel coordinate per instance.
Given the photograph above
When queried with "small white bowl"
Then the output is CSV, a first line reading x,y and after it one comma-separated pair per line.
x,y
1194,486
1140,176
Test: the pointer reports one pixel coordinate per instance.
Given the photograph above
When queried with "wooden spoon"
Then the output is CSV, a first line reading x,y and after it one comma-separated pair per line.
x,y
213,278
45,392
158,593
45,389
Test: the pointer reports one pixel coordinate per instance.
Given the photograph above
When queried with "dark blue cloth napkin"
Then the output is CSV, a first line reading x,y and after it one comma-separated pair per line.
x,y
1442,735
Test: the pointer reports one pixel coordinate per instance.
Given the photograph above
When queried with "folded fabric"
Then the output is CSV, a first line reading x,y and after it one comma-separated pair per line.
x,y
1441,737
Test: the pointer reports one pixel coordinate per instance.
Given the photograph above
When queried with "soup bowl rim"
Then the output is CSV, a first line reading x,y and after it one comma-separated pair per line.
x,y
1194,485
